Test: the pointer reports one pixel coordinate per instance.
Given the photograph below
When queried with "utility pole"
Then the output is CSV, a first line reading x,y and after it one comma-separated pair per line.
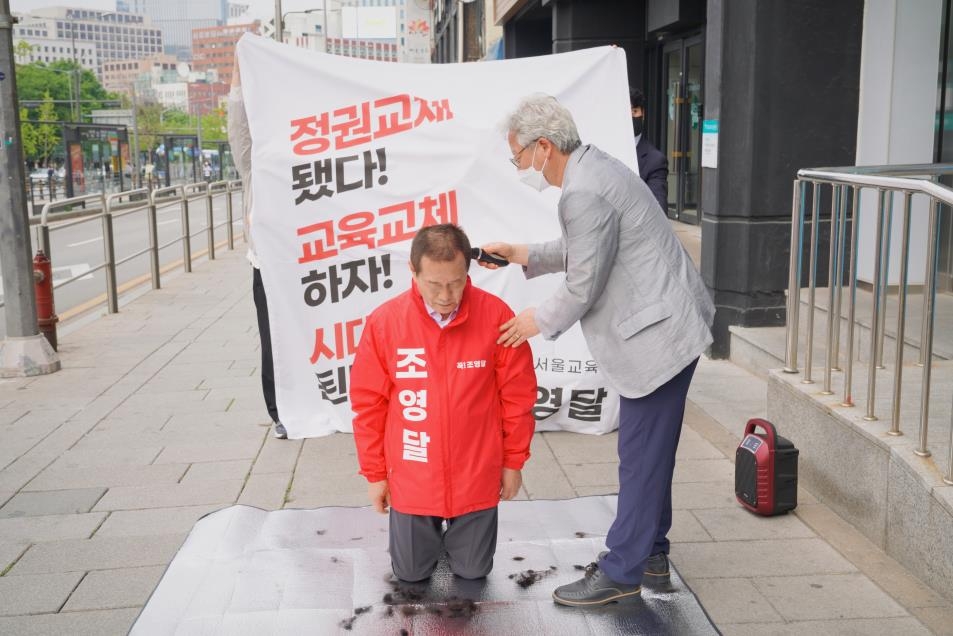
x,y
74,73
23,352
198,137
279,27
136,174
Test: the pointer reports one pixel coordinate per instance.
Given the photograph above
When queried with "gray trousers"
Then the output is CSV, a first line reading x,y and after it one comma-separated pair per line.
x,y
417,542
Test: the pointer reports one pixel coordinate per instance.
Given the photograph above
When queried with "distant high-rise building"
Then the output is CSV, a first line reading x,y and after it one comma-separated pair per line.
x,y
114,35
177,18
237,10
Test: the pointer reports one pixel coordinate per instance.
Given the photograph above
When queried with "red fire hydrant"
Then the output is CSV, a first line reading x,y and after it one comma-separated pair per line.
x,y
43,282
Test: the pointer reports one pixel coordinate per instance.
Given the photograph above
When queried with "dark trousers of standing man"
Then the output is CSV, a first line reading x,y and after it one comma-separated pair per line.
x,y
267,364
649,428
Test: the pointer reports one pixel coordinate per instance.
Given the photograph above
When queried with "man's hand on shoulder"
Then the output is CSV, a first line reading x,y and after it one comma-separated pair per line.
x,y
510,486
379,494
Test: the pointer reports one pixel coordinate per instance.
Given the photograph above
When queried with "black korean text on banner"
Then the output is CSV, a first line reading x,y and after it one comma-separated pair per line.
x,y
333,384
560,365
337,175
585,405
340,281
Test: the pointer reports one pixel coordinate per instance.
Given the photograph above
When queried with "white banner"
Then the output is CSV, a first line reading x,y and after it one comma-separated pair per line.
x,y
351,157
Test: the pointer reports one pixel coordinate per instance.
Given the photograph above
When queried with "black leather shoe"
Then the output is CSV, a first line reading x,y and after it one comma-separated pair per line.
x,y
594,589
656,568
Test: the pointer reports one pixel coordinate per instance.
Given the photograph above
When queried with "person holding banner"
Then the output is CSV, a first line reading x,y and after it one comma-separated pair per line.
x,y
239,139
646,316
653,166
442,413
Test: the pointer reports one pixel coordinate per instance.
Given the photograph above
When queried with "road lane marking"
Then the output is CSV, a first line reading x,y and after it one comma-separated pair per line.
x,y
95,239
123,287
70,271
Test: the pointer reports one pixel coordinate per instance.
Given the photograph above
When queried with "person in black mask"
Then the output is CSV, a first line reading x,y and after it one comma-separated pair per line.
x,y
653,166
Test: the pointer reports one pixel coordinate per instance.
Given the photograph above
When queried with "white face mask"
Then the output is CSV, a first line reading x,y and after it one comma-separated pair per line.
x,y
532,177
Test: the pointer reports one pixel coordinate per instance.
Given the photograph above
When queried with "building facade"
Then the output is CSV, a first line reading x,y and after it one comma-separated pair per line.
x,y
465,32
213,48
122,76
205,97
98,36
383,30
178,18
45,48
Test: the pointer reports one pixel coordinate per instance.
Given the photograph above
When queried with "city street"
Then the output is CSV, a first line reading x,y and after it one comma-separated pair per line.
x,y
78,248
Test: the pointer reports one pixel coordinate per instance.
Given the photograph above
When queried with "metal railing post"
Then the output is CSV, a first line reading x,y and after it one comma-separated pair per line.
x,y
852,304
839,282
901,316
875,318
153,241
885,281
186,234
811,283
794,273
929,308
923,319
210,222
44,238
229,229
109,249
948,479
832,266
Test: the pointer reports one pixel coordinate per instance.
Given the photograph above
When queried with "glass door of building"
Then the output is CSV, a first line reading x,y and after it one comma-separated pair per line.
x,y
682,77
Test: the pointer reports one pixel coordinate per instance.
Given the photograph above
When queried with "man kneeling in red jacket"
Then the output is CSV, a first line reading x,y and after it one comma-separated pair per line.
x,y
442,414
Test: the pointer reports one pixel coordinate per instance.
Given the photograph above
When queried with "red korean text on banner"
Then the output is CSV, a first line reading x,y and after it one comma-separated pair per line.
x,y
391,224
361,123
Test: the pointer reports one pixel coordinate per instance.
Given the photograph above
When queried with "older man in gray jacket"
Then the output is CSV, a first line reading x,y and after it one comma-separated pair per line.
x,y
646,316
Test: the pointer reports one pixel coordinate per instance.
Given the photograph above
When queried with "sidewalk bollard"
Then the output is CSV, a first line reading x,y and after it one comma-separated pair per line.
x,y
43,282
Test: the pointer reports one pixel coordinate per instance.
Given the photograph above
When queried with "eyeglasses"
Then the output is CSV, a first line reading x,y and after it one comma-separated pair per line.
x,y
515,159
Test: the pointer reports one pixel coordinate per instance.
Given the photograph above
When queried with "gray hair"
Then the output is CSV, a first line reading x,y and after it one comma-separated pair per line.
x,y
540,115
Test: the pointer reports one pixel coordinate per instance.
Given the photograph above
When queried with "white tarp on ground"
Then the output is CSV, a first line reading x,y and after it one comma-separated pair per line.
x,y
351,157
327,571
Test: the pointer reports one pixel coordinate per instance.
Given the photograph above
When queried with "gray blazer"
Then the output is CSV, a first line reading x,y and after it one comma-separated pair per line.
x,y
644,309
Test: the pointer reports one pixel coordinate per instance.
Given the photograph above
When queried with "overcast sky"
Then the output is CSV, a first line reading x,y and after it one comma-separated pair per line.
x,y
259,8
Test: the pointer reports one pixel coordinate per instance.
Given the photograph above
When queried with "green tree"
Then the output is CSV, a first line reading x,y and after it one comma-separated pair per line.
x,y
148,119
22,51
28,135
214,126
59,79
47,134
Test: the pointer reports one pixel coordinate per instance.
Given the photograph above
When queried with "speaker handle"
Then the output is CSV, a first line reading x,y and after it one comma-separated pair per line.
x,y
768,427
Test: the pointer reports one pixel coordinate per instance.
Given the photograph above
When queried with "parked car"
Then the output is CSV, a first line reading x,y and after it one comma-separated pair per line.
x,y
39,176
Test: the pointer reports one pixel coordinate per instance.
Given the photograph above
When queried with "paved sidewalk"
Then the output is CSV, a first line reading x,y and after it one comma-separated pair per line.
x,y
156,419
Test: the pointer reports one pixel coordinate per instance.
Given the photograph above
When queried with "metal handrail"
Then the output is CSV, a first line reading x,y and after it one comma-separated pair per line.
x,y
107,207
929,188
847,185
900,170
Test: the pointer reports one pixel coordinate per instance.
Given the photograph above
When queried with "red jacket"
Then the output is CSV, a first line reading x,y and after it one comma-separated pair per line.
x,y
440,412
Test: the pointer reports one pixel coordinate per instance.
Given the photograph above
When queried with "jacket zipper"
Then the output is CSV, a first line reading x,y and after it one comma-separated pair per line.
x,y
445,406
